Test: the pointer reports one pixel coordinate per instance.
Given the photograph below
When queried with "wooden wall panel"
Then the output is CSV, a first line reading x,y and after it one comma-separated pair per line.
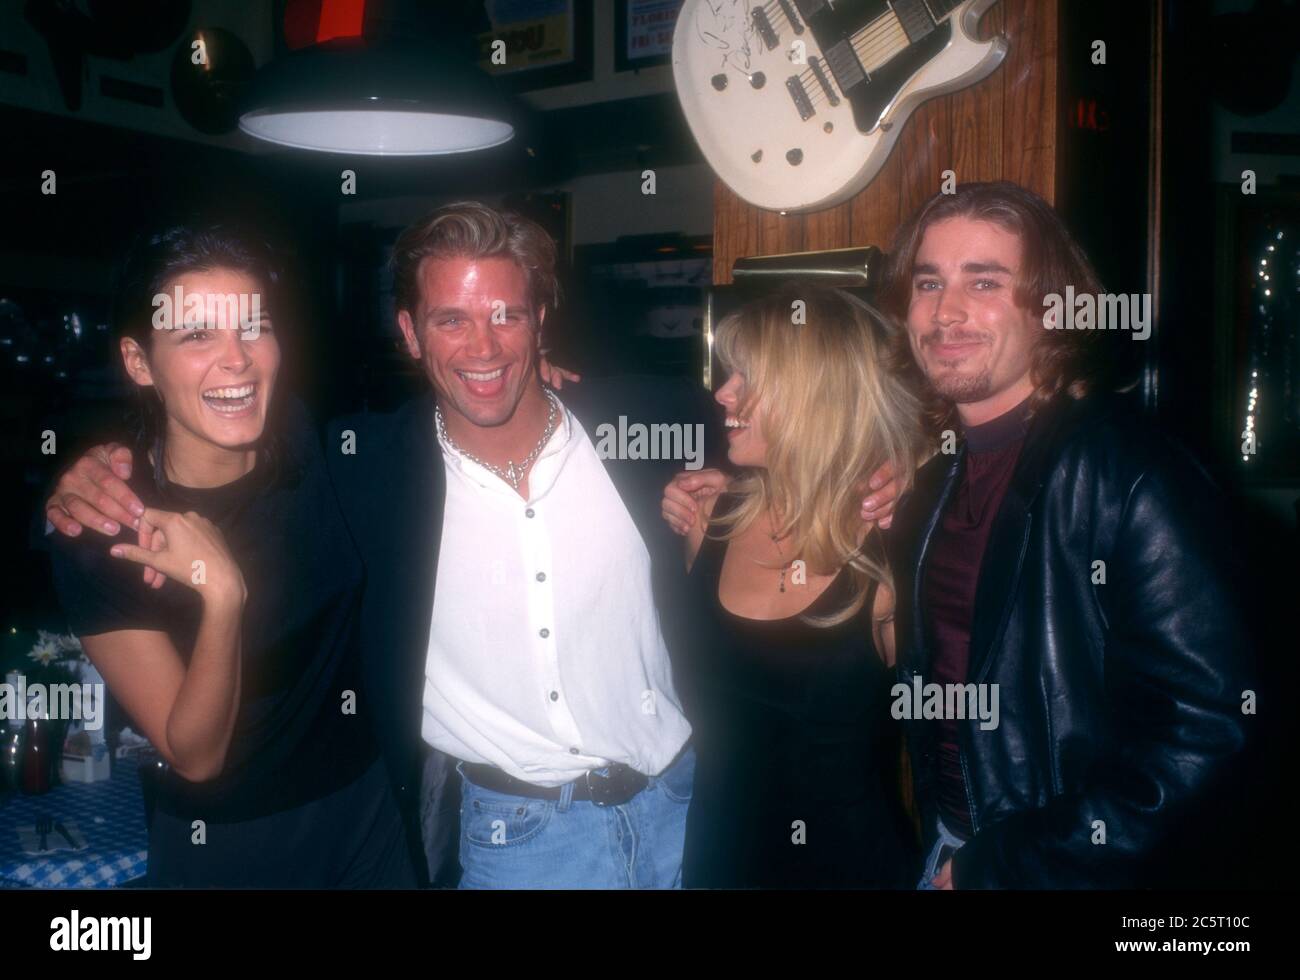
x,y
1003,128
1029,83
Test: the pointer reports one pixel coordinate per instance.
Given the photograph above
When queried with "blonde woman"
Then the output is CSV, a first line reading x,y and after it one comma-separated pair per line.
x,y
796,781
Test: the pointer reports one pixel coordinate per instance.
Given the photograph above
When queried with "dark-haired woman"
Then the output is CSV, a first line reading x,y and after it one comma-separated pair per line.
x,y
235,649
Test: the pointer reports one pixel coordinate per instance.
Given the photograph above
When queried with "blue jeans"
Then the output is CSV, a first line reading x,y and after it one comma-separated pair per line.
x,y
945,846
516,842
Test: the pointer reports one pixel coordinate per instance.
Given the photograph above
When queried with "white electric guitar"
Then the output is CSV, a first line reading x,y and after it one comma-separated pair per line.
x,y
797,103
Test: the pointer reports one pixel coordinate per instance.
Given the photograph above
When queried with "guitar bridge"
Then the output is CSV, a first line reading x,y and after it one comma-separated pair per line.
x,y
800,97
764,28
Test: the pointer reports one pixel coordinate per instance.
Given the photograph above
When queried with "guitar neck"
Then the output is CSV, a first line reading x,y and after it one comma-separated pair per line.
x,y
907,22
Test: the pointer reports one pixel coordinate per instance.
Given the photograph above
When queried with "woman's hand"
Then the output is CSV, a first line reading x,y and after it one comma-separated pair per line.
x,y
555,376
685,495
190,549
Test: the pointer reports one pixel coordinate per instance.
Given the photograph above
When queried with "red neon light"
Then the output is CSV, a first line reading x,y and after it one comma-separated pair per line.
x,y
340,18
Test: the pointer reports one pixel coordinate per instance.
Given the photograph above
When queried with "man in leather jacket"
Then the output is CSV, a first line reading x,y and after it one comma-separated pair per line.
x,y
1075,671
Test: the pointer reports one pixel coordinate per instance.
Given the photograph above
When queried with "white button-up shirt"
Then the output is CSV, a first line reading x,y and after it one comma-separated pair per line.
x,y
545,653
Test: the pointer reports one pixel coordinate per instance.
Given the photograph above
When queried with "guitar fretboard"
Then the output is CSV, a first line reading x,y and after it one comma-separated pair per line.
x,y
907,22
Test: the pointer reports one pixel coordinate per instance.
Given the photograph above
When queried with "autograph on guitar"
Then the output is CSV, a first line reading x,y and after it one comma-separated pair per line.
x,y
797,103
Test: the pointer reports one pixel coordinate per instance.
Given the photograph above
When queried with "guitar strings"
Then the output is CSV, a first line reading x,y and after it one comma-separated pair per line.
x,y
874,45
878,52
881,38
885,42
772,9
872,41
775,12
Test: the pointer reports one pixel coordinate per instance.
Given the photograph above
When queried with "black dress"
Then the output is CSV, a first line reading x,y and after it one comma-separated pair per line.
x,y
796,753
303,800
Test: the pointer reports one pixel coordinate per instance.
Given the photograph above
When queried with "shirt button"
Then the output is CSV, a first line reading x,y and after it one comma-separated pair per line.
x,y
543,632
555,695
541,576
530,512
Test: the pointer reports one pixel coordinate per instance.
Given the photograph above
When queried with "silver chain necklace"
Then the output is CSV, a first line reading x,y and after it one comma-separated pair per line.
x,y
513,473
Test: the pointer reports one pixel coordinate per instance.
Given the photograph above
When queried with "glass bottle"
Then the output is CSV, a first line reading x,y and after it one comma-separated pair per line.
x,y
36,758
11,756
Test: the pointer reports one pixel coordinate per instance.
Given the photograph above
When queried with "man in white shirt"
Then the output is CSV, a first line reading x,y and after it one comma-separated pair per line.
x,y
546,672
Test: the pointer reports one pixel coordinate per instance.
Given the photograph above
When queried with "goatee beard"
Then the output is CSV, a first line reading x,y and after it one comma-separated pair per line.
x,y
963,390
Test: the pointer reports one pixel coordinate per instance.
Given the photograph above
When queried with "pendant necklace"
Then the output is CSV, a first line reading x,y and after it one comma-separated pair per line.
x,y
513,473
781,554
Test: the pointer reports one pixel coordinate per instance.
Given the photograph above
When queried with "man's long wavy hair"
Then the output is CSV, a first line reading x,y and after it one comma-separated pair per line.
x,y
833,410
1073,361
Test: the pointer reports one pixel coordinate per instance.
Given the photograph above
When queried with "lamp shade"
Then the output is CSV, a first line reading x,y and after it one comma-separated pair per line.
x,y
386,98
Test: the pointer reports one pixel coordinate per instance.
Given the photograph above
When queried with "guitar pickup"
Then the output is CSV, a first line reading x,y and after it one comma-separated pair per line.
x,y
844,65
764,28
801,100
915,18
815,64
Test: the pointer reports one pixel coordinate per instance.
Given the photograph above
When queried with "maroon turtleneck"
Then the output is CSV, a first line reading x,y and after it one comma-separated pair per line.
x,y
951,575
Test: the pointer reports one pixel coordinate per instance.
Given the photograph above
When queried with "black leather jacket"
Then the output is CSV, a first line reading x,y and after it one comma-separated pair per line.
x,y
1120,703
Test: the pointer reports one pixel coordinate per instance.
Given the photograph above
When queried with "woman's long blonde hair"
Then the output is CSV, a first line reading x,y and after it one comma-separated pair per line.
x,y
819,363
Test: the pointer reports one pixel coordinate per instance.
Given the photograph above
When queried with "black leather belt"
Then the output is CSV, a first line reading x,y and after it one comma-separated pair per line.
x,y
612,786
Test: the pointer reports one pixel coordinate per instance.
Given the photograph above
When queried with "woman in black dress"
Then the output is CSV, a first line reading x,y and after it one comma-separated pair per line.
x,y
788,687
225,622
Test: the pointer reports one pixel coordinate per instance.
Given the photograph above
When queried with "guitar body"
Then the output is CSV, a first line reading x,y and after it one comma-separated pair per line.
x,y
796,104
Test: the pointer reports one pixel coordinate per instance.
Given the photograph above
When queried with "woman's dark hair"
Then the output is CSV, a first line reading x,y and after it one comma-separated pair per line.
x,y
155,259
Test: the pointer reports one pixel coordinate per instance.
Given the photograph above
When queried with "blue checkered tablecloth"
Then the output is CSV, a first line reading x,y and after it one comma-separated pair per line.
x,y
109,814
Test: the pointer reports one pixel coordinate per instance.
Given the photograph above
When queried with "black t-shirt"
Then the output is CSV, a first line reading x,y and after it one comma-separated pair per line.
x,y
293,740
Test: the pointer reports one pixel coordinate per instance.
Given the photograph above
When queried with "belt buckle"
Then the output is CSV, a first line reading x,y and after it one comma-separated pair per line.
x,y
608,790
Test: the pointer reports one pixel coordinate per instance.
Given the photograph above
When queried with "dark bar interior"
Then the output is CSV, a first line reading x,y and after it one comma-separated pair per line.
x,y
408,606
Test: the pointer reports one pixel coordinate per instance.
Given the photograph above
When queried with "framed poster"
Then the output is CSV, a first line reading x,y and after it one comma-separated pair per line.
x,y
643,32
546,42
